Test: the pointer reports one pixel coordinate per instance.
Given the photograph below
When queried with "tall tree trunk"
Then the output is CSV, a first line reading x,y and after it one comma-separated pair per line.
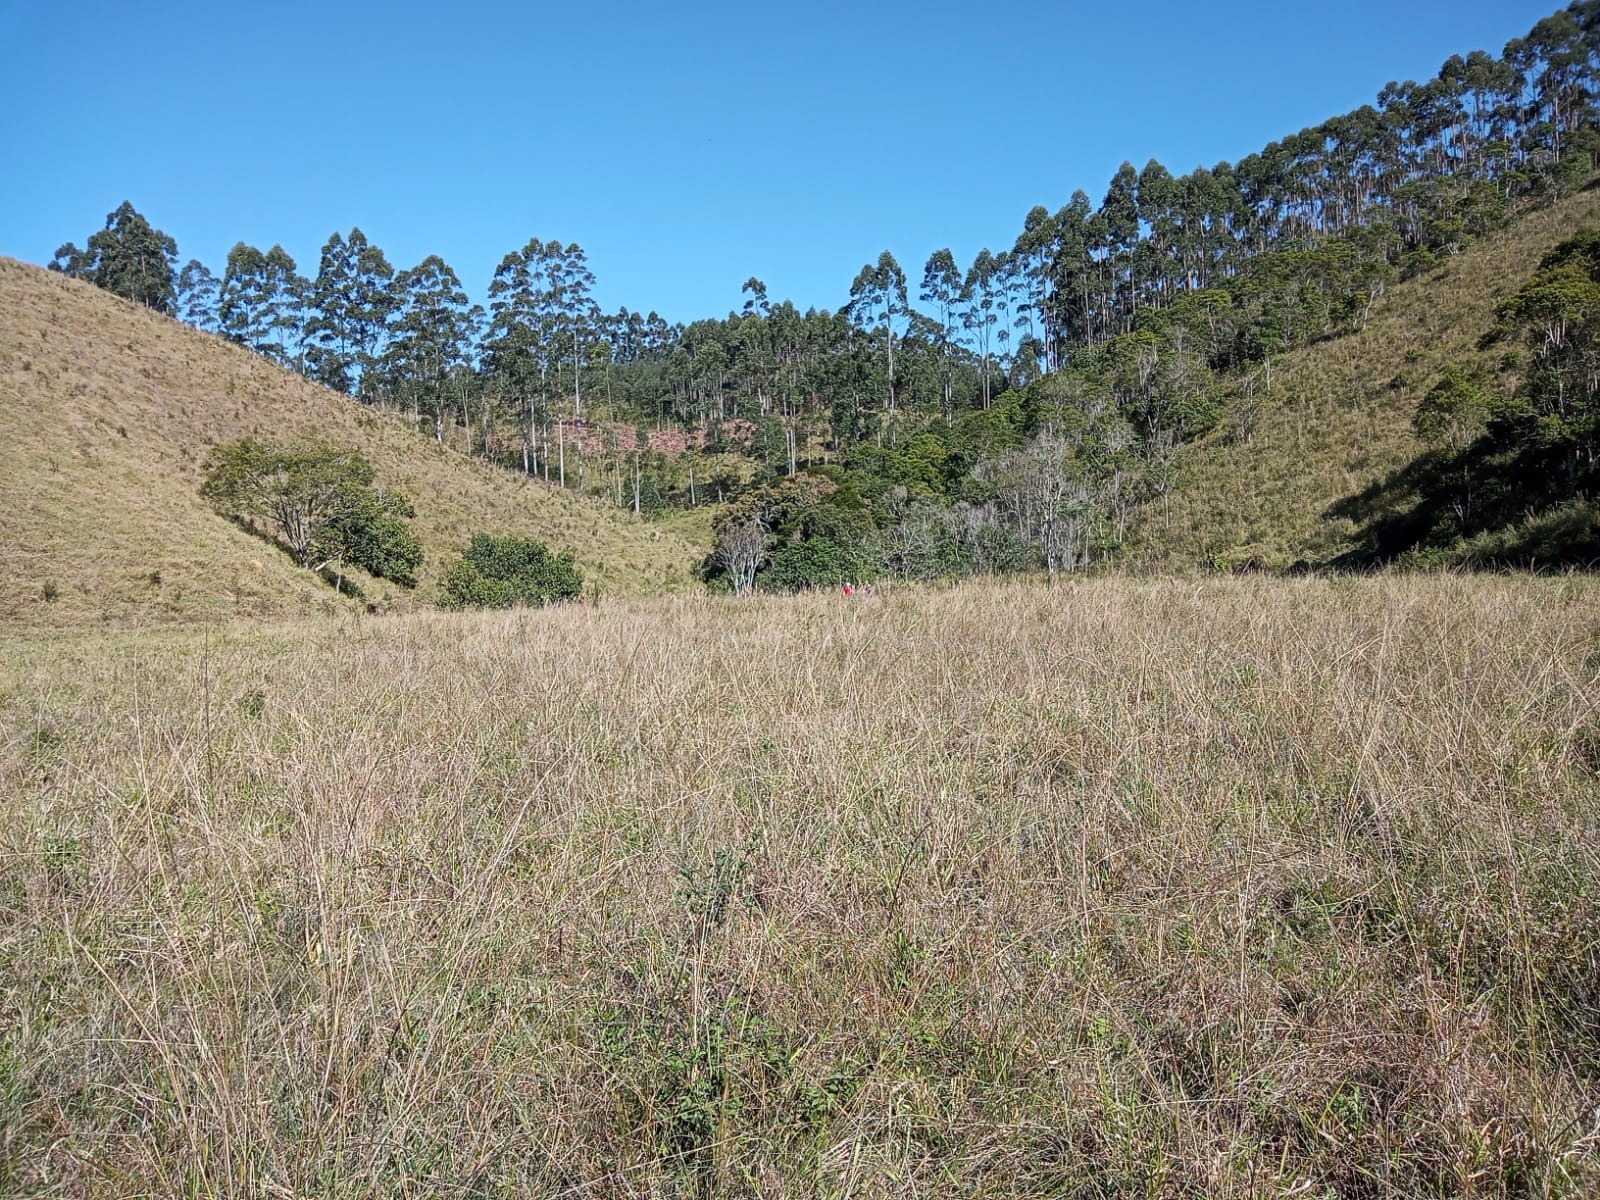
x,y
888,322
530,448
577,377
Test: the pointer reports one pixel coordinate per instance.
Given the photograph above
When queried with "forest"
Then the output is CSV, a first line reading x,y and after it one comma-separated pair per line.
x,y
1006,414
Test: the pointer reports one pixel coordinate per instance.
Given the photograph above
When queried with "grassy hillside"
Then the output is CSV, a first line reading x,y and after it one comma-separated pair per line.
x,y
108,410
1235,888
1337,416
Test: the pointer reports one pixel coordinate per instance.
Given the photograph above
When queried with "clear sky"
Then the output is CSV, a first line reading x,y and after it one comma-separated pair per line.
x,y
685,146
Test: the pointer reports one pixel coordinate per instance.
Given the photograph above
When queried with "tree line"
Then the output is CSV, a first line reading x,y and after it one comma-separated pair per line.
x,y
1102,331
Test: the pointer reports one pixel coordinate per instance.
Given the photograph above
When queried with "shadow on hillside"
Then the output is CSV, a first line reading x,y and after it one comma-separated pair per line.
x,y
1483,508
340,582
1395,515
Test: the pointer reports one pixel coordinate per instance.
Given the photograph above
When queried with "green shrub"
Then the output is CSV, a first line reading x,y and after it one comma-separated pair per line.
x,y
817,562
498,572
371,535
322,503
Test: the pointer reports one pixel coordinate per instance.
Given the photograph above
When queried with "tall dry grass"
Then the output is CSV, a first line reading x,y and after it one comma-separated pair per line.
x,y
1234,888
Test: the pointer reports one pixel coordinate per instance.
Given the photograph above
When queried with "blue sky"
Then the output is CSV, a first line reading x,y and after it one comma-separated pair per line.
x,y
686,147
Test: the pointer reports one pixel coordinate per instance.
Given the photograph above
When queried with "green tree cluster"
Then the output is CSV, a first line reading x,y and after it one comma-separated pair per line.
x,y
129,257
499,572
320,502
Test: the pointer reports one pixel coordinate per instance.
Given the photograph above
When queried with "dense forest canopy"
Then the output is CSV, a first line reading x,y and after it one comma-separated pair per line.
x,y
949,417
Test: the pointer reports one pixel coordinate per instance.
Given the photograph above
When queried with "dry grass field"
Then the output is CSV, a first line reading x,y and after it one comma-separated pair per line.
x,y
107,412
1232,888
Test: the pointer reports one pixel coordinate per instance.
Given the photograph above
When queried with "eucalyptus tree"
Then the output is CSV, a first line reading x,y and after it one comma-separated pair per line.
x,y
659,336
349,303
879,294
1011,304
623,332
980,310
1072,275
73,261
197,294
1120,211
1032,255
582,318
756,303
129,258
750,345
1160,217
570,286
1487,87
944,287
1555,60
431,337
789,340
242,303
520,340
542,318
260,301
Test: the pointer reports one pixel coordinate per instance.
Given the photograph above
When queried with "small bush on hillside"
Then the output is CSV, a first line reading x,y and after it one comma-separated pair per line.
x,y
371,535
321,502
498,572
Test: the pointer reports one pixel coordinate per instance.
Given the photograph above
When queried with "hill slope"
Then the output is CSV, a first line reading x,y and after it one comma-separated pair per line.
x,y
1337,420
107,411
